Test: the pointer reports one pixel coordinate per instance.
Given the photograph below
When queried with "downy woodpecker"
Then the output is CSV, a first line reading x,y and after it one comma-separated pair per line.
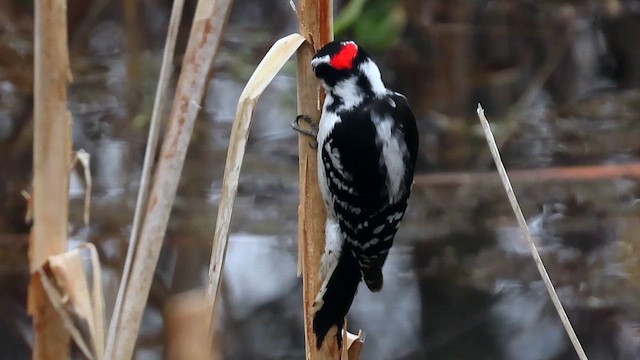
x,y
367,147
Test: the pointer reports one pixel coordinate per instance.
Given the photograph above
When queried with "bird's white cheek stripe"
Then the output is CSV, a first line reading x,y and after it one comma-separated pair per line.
x,y
371,71
321,60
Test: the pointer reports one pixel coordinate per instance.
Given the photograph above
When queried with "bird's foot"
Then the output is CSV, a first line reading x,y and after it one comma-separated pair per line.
x,y
311,129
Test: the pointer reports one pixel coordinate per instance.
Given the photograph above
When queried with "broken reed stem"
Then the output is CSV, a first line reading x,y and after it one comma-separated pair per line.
x,y
149,156
78,300
316,25
272,62
51,161
202,47
525,229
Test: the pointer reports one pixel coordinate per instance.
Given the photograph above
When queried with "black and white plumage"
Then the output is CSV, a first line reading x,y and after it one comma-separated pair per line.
x,y
367,148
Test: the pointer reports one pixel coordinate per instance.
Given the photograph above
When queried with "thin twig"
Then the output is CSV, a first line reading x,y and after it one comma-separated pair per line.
x,y
152,145
525,229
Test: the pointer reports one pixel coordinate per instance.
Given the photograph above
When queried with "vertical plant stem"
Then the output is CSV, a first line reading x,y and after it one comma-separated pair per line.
x,y
204,39
527,234
152,144
51,159
316,24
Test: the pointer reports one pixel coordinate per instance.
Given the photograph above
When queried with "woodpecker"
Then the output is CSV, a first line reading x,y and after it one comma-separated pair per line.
x,y
367,147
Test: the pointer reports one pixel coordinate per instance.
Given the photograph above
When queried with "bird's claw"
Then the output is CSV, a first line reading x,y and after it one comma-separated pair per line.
x,y
310,130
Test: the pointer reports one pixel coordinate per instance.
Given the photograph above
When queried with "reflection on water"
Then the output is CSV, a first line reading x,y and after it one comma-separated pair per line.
x,y
524,326
391,318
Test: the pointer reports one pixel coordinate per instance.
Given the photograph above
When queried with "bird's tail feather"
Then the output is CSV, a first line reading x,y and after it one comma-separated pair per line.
x,y
335,297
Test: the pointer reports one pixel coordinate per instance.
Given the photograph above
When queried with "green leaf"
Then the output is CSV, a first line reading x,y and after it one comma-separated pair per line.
x,y
348,16
380,24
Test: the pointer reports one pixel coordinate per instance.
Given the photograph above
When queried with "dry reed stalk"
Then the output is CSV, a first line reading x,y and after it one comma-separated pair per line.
x,y
522,222
152,144
187,332
206,32
52,155
270,65
316,24
557,174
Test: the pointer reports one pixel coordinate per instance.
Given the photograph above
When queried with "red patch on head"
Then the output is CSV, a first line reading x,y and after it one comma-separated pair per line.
x,y
343,60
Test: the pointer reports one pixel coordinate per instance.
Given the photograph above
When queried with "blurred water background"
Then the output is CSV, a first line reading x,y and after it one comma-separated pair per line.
x,y
559,80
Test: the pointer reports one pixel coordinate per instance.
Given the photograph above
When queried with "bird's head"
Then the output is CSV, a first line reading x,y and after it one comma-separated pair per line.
x,y
341,64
